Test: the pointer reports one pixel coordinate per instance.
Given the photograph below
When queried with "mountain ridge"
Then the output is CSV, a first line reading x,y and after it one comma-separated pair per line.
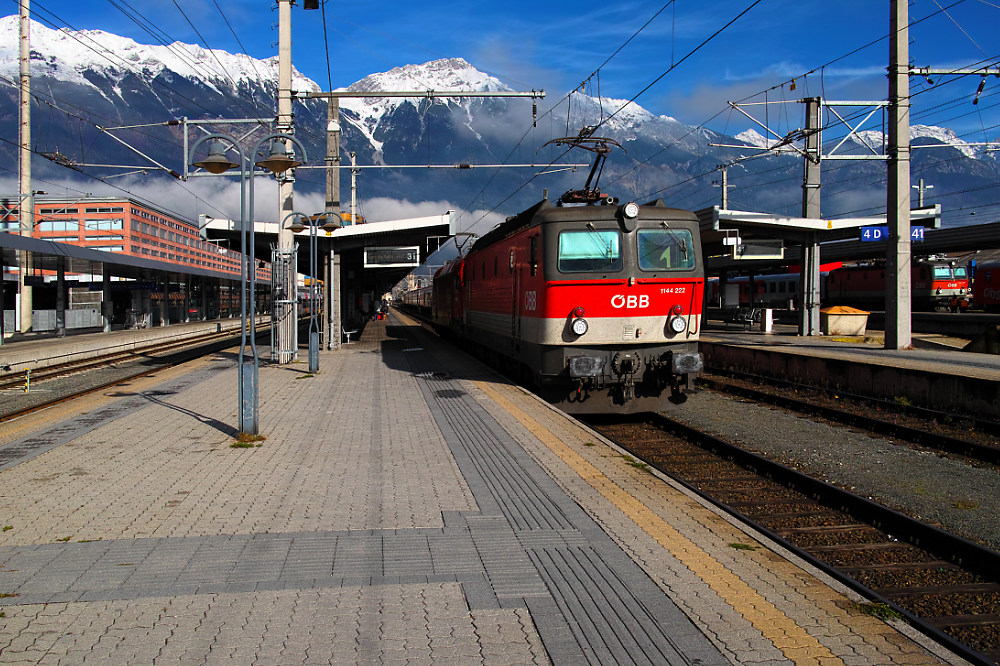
x,y
115,81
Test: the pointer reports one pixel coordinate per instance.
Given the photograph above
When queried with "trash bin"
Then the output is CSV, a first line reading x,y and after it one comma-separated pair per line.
x,y
767,320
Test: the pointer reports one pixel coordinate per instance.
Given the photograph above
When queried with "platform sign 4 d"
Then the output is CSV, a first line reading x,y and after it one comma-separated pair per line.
x,y
881,233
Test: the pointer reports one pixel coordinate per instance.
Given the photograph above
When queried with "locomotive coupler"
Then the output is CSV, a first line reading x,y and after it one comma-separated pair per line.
x,y
625,364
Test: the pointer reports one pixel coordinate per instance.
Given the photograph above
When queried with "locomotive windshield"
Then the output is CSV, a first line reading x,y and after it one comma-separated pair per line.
x,y
590,251
942,272
665,250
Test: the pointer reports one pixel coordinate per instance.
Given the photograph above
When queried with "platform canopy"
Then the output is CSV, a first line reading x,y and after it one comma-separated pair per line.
x,y
723,232
84,260
421,232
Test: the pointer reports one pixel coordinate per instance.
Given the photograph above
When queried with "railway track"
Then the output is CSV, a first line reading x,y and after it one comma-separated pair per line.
x,y
967,436
53,384
946,586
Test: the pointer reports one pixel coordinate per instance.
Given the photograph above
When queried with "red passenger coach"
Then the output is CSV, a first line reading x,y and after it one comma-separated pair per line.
x,y
598,306
986,286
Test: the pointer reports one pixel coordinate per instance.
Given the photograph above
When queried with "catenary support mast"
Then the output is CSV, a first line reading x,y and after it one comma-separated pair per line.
x,y
26,200
898,329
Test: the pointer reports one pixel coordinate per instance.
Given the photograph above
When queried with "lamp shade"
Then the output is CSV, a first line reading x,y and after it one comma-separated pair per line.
x,y
216,162
278,161
296,226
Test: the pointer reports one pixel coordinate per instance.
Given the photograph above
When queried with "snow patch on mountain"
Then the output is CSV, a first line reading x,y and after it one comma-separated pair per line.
x,y
752,137
876,139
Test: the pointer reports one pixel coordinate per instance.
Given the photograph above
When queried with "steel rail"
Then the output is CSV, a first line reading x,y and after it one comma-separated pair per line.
x,y
948,547
983,425
974,450
193,350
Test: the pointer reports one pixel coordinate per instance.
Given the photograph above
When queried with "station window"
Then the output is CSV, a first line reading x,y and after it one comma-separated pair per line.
x,y
58,225
111,223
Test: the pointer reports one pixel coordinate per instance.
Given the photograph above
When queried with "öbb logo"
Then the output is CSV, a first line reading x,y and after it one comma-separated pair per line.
x,y
630,302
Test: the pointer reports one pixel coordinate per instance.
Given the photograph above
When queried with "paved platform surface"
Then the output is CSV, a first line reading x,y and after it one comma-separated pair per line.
x,y
407,506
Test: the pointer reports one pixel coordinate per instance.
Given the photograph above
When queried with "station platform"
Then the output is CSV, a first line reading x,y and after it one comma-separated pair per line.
x,y
936,373
406,506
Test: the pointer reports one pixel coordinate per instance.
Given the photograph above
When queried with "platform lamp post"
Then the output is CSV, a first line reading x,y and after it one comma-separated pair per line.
x,y
296,227
217,163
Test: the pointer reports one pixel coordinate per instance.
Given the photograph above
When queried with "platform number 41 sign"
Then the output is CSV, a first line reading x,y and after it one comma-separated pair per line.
x,y
872,234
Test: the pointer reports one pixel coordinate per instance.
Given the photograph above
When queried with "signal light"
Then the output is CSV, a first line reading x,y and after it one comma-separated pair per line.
x,y
677,309
578,312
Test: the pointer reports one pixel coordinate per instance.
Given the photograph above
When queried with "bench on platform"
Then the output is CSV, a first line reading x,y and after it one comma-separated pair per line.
x,y
747,317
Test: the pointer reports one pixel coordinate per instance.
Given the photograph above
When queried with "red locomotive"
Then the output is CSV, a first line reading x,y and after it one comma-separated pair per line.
x,y
935,283
597,306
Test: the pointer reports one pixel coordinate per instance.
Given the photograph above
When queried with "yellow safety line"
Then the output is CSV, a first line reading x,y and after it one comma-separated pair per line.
x,y
777,627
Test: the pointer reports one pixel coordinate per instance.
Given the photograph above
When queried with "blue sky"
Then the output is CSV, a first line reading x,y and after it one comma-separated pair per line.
x,y
556,45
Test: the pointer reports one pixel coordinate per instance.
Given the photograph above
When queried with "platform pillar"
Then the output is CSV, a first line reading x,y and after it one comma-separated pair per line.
x,y
336,304
60,297
186,315
809,295
165,301
205,286
107,304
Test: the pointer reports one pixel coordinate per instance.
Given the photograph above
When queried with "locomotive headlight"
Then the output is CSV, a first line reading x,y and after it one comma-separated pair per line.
x,y
579,326
631,209
678,324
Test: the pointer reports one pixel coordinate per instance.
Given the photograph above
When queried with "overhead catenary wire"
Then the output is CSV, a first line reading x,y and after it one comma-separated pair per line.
x,y
568,97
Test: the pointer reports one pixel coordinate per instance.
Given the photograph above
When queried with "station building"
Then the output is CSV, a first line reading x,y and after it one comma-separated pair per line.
x,y
128,228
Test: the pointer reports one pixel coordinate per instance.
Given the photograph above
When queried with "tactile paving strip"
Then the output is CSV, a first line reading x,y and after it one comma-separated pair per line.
x,y
592,603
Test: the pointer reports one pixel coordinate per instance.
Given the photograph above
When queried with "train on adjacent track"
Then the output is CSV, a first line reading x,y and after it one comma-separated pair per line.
x,y
936,284
986,286
596,307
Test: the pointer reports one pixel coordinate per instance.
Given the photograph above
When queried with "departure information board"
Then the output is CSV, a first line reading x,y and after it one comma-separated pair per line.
x,y
392,257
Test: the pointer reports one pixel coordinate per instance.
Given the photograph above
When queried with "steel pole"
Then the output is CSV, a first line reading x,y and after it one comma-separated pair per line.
x,y
288,329
313,328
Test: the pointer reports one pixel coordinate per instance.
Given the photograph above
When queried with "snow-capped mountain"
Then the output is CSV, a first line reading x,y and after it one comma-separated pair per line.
x,y
929,135
85,79
75,56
